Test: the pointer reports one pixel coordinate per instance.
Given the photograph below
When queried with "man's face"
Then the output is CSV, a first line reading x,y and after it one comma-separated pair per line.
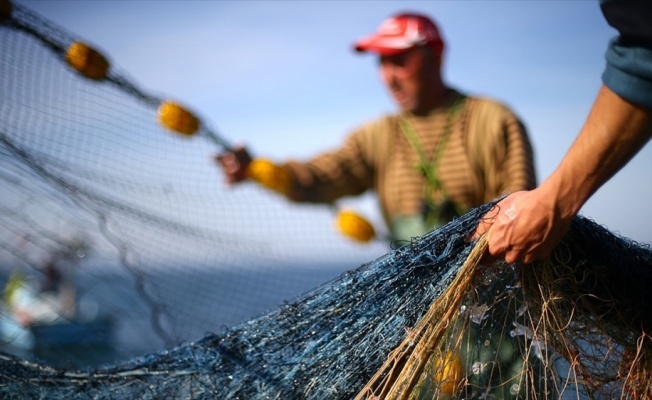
x,y
408,77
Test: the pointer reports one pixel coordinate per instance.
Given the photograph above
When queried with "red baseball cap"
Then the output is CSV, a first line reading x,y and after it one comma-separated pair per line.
x,y
400,33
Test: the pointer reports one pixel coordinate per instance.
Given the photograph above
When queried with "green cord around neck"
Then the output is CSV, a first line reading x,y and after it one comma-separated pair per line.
x,y
429,168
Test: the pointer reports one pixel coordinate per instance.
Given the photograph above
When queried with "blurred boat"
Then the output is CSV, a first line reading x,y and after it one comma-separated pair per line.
x,y
31,320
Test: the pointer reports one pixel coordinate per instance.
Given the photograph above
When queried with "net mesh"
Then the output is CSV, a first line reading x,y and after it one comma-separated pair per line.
x,y
139,214
88,182
572,326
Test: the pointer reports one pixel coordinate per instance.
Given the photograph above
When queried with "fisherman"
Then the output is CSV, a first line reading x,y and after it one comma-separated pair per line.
x,y
443,153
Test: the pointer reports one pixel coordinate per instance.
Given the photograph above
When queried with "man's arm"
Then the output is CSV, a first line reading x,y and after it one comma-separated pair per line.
x,y
527,225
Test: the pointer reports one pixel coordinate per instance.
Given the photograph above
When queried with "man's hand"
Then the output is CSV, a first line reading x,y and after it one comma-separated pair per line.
x,y
525,226
235,164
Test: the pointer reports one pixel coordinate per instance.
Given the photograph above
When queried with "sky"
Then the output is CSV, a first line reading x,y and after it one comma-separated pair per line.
x,y
282,78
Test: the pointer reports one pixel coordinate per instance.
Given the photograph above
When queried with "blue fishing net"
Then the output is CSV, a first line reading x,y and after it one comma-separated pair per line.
x,y
331,342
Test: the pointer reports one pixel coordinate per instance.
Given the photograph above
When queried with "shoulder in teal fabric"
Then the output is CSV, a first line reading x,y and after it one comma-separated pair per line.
x,y
629,55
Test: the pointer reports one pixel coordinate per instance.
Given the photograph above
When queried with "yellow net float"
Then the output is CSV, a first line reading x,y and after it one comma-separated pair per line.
x,y
270,175
448,373
177,118
354,226
6,9
88,61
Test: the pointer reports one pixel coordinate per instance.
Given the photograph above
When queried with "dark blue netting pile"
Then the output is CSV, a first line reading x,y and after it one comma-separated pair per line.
x,y
324,345
573,325
85,171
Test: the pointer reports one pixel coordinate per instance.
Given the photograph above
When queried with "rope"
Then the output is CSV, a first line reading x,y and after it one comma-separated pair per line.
x,y
398,375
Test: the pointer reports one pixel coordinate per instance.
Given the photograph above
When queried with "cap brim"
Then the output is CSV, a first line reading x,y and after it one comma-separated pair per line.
x,y
379,45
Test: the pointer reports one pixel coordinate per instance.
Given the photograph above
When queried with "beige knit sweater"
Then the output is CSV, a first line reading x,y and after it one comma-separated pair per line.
x,y
487,154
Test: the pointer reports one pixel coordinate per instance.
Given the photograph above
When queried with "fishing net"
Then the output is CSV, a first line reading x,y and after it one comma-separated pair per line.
x,y
98,188
431,319
572,326
426,321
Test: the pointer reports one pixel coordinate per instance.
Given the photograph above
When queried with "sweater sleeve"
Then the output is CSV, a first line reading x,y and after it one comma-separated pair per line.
x,y
505,158
346,171
628,72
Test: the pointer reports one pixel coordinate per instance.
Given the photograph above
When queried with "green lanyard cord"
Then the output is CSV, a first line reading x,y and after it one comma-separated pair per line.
x,y
429,168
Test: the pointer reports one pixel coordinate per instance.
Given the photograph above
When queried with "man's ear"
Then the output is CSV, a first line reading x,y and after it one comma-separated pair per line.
x,y
432,54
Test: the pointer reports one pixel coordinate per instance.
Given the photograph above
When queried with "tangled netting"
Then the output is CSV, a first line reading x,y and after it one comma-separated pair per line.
x,y
572,326
325,345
